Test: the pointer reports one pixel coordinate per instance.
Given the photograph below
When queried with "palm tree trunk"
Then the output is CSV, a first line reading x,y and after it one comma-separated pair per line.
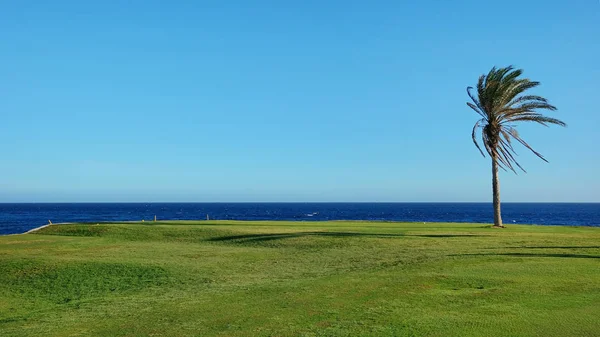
x,y
496,190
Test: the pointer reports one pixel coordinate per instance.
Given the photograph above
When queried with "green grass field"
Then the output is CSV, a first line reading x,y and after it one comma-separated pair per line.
x,y
300,279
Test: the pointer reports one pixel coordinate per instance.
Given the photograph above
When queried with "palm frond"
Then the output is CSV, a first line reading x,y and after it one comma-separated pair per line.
x,y
474,135
539,119
513,132
524,98
515,88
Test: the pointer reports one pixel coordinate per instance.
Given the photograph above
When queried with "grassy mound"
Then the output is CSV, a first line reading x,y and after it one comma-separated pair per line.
x,y
300,279
65,282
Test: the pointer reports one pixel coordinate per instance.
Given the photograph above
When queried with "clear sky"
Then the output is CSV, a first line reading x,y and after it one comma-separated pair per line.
x,y
260,100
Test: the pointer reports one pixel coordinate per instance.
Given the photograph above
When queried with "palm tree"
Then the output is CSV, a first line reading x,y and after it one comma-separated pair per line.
x,y
501,102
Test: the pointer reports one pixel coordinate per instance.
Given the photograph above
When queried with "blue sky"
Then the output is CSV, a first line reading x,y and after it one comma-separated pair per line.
x,y
286,101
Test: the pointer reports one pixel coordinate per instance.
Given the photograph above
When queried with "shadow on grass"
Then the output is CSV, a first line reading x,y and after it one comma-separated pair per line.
x,y
445,235
554,247
578,256
277,236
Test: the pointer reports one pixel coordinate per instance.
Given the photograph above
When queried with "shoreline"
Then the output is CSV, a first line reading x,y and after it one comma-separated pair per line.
x,y
37,228
278,221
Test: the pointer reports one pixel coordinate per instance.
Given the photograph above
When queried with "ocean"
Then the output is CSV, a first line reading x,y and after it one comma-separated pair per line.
x,y
19,218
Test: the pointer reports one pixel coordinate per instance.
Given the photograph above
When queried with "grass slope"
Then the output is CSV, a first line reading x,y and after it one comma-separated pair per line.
x,y
300,279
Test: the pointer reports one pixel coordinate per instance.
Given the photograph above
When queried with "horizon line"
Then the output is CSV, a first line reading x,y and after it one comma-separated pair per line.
x,y
296,202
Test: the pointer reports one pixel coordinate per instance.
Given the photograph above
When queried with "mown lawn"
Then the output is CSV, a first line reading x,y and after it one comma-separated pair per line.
x,y
300,279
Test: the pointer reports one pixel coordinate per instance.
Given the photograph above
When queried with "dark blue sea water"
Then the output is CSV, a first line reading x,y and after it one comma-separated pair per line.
x,y
18,218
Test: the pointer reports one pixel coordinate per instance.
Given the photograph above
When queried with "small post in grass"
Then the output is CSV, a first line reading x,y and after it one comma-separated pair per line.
x,y
207,217
155,218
